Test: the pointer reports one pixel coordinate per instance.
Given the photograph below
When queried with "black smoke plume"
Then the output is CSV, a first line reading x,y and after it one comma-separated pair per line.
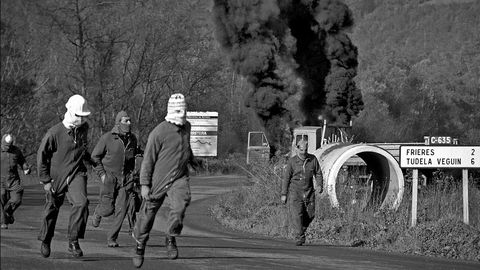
x,y
273,43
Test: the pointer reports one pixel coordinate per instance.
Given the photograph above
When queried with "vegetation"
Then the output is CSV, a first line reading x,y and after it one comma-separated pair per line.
x,y
120,55
418,68
439,231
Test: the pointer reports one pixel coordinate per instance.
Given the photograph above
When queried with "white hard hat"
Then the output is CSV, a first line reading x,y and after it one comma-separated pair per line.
x,y
77,105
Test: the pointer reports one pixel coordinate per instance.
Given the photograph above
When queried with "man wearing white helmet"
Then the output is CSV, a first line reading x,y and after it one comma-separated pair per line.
x,y
11,189
61,169
164,173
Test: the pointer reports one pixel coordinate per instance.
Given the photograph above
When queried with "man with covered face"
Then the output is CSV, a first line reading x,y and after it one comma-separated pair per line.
x,y
298,183
61,169
164,174
114,158
11,189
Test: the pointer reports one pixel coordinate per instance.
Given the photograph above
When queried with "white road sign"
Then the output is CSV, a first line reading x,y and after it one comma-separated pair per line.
x,y
203,136
439,156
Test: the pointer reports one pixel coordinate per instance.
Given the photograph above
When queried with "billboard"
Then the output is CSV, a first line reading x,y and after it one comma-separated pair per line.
x,y
203,136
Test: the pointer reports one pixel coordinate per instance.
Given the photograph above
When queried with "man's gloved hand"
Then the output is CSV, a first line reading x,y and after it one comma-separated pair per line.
x,y
283,199
48,187
145,192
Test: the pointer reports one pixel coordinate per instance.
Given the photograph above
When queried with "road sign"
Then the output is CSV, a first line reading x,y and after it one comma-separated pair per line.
x,y
203,136
440,140
439,156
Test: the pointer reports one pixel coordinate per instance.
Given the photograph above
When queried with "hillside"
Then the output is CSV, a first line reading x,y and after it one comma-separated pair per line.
x,y
419,69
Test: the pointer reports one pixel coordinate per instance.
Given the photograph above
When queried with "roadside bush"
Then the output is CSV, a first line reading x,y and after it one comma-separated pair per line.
x,y
215,166
447,237
255,208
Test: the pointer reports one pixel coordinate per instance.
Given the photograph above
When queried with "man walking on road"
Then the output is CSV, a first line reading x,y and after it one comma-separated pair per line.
x,y
11,189
114,158
298,184
164,173
61,169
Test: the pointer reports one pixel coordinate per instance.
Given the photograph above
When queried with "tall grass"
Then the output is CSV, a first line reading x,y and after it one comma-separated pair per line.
x,y
255,208
439,231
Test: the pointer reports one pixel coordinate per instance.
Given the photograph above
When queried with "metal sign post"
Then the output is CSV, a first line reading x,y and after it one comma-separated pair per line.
x,y
465,195
414,196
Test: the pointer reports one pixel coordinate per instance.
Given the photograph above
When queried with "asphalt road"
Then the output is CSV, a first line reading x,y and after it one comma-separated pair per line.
x,y
205,244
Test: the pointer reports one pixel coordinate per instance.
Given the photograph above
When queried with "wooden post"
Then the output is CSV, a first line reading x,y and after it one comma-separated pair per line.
x,y
414,196
465,195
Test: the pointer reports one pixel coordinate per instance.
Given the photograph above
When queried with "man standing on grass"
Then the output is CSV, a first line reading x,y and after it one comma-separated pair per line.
x,y
164,173
12,190
61,169
298,184
114,158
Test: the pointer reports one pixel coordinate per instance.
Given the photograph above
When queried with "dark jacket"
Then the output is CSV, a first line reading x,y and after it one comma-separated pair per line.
x,y
61,154
115,156
299,174
11,159
166,157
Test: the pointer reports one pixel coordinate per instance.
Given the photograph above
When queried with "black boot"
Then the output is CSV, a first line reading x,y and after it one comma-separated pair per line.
x,y
9,219
45,249
171,244
300,242
74,248
139,253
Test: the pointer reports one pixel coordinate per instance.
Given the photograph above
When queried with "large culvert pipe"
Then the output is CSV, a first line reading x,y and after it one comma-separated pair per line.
x,y
387,175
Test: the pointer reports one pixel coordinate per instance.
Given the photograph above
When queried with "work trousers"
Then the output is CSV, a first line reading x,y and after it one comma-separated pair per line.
x,y
115,199
302,207
11,199
179,198
76,192
134,204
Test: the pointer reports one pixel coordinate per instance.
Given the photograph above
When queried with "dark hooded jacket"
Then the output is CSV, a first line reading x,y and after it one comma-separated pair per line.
x,y
115,153
62,154
11,159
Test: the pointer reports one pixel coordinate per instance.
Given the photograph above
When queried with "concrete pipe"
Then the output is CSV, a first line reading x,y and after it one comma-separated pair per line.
x,y
386,174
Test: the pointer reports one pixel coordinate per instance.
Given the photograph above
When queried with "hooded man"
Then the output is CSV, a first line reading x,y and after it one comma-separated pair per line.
x,y
298,184
164,173
114,158
11,189
61,169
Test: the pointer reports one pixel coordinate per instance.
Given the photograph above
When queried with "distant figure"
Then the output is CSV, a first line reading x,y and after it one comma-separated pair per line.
x,y
11,188
164,173
114,158
298,184
62,171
